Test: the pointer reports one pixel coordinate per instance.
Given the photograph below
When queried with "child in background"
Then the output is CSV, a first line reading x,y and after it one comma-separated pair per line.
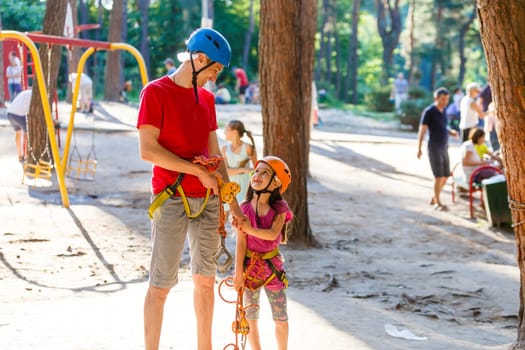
x,y
238,154
258,262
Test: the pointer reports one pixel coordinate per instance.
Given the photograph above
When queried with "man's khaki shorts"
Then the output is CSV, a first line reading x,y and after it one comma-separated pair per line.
x,y
169,229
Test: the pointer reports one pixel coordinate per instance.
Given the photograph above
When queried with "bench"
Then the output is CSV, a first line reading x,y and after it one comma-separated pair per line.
x,y
471,186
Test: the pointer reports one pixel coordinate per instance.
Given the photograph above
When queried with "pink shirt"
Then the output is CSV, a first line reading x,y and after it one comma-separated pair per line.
x,y
261,245
184,126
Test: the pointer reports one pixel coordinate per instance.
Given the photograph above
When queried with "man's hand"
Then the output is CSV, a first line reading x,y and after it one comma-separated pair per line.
x,y
454,133
209,180
419,153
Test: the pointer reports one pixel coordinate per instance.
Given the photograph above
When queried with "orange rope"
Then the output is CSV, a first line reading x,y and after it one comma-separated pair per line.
x,y
240,326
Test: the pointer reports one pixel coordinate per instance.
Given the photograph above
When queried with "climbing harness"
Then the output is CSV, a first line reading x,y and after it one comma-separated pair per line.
x,y
254,271
228,191
80,168
240,326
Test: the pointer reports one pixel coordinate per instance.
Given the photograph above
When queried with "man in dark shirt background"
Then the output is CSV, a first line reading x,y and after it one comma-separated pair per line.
x,y
434,120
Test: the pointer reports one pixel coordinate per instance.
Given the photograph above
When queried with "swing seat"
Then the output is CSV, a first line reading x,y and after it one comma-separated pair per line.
x,y
82,169
38,172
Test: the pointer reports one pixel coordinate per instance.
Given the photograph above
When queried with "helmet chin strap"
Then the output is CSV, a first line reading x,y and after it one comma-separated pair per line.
x,y
258,193
194,76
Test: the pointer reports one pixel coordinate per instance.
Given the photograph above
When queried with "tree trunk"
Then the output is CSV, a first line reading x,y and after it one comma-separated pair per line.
x,y
123,38
502,40
2,69
50,57
112,83
436,55
74,52
353,58
248,38
144,41
461,46
338,68
412,41
389,28
286,93
319,73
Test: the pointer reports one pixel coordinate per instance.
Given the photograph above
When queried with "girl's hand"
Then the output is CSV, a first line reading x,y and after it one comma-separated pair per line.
x,y
241,224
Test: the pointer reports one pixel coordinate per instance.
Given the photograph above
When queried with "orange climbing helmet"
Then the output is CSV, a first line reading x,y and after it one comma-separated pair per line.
x,y
280,169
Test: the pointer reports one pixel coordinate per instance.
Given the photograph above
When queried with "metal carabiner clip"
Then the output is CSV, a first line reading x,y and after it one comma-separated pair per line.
x,y
223,257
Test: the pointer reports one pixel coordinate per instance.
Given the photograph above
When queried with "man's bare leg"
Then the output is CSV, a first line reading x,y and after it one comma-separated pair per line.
x,y
203,302
153,315
19,145
439,183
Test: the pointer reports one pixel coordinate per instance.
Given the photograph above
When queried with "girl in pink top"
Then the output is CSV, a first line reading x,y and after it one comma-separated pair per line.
x,y
258,260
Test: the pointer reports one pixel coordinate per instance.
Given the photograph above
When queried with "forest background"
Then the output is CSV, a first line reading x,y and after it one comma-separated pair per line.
x,y
360,44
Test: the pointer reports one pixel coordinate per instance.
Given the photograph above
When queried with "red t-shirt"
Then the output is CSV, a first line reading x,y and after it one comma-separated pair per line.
x,y
241,75
184,128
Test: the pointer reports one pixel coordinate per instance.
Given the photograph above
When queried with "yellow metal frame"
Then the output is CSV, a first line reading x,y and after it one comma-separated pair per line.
x,y
60,164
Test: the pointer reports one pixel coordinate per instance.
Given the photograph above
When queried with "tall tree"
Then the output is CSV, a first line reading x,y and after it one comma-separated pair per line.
x,y
112,83
50,57
461,45
143,6
286,93
412,41
437,56
353,59
2,78
248,37
389,28
503,41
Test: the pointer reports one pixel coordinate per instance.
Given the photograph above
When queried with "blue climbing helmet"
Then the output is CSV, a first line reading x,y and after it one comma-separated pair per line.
x,y
212,43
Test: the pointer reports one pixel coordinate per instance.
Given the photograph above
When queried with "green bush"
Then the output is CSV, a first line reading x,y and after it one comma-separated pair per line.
x,y
378,99
411,111
418,93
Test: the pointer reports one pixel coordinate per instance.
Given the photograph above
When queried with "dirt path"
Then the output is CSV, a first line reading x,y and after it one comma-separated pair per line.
x,y
75,279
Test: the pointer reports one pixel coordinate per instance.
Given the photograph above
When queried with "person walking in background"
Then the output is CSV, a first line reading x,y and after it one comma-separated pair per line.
x,y
434,120
238,155
170,66
177,124
16,114
258,262
470,111
399,91
14,75
241,84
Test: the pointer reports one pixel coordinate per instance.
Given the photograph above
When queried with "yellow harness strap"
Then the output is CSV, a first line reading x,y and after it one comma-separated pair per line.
x,y
266,256
168,192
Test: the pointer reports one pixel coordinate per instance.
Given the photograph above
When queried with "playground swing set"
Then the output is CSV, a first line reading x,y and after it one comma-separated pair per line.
x,y
71,164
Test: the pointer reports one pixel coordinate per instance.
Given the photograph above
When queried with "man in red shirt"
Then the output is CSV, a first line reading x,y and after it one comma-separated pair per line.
x,y
242,83
177,123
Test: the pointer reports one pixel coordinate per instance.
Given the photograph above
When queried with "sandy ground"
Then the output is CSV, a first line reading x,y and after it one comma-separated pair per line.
x,y
75,278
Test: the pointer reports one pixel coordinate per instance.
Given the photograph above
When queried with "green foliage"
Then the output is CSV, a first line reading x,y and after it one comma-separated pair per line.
x,y
418,93
22,16
448,82
378,99
411,110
